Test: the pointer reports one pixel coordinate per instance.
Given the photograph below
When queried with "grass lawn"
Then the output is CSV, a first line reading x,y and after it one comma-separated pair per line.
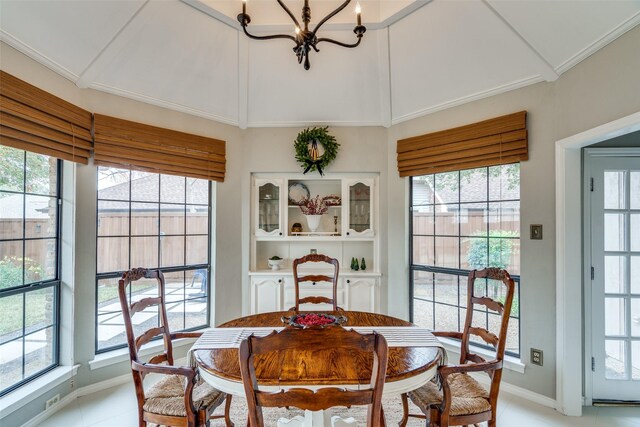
x,y
36,311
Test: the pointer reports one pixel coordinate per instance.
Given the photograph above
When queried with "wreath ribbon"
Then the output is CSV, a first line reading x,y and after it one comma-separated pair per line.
x,y
315,160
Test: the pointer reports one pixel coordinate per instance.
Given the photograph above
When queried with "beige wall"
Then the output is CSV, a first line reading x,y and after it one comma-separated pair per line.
x,y
604,87
600,89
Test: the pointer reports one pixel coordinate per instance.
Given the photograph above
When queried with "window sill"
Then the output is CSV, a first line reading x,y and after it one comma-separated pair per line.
x,y
36,388
122,354
511,363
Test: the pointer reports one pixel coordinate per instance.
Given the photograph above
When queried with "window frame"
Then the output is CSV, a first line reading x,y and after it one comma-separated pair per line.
x,y
43,284
459,272
184,268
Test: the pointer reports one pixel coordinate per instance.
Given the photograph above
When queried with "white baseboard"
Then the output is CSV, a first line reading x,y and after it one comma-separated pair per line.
x,y
84,391
103,385
38,419
69,398
519,391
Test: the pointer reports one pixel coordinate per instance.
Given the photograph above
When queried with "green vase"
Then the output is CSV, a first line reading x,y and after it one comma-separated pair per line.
x,y
363,265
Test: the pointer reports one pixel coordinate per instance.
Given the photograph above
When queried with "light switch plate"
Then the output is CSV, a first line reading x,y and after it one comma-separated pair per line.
x,y
536,232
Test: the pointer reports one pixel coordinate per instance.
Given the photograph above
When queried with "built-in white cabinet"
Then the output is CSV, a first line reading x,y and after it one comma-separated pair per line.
x,y
361,293
267,199
347,231
267,293
358,207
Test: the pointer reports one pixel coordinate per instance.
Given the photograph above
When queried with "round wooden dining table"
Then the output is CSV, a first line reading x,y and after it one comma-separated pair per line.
x,y
408,367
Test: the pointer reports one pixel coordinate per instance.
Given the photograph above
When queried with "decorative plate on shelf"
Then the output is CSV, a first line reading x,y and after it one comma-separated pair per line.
x,y
311,320
298,192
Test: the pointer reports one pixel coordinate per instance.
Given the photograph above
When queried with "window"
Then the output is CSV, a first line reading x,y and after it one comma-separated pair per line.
x,y
29,265
153,221
462,221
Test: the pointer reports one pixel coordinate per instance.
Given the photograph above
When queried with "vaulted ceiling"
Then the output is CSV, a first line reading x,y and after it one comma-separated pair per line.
x,y
416,57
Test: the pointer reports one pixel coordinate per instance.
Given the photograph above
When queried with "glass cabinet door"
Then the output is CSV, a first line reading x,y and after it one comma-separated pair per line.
x,y
269,217
359,208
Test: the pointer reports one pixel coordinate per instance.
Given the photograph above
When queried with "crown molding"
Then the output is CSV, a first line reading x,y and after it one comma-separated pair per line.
x,y
607,38
27,50
470,98
307,123
162,103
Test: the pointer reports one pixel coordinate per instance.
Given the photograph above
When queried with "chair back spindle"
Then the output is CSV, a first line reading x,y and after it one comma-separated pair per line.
x,y
315,278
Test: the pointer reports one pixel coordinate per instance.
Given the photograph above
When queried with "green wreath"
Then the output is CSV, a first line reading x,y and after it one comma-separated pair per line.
x,y
306,145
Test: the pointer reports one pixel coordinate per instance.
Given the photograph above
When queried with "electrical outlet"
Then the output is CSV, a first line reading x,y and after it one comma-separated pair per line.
x,y
536,356
72,383
53,401
313,251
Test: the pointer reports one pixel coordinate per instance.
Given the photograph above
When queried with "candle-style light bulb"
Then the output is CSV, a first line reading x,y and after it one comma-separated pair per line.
x,y
297,30
358,11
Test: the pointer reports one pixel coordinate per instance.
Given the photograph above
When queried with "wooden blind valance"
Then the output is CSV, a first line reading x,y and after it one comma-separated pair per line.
x,y
121,143
488,143
34,120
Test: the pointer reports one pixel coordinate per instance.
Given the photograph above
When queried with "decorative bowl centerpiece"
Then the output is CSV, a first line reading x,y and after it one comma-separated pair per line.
x,y
313,320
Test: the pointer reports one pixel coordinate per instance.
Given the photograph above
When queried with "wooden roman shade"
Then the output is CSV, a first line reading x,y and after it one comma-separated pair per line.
x,y
34,120
121,143
492,142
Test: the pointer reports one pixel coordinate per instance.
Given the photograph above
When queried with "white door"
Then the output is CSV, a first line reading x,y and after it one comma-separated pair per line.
x,y
614,204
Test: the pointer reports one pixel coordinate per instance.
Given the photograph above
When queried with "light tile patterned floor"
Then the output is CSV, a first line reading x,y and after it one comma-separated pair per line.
x,y
117,407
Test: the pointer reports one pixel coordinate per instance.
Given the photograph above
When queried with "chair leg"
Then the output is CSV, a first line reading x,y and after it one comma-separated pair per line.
x,y
405,410
383,420
227,409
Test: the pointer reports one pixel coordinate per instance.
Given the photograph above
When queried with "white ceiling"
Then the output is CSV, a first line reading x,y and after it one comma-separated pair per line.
x,y
416,57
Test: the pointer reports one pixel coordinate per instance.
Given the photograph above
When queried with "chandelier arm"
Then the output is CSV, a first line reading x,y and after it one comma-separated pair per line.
x,y
340,43
274,36
331,15
286,9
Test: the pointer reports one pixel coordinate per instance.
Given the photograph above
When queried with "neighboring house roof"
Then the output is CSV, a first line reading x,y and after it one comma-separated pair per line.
x,y
145,189
475,190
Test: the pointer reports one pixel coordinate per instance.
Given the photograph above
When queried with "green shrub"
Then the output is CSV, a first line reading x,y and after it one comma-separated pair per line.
x,y
11,271
497,248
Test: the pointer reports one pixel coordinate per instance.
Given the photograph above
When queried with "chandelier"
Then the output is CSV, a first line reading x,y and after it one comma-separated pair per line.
x,y
305,39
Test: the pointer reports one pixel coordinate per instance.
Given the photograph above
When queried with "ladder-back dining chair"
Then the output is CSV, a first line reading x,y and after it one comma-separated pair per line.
x,y
178,398
314,279
462,400
342,344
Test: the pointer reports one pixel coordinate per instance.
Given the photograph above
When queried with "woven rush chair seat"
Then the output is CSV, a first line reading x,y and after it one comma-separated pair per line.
x,y
461,399
166,397
468,396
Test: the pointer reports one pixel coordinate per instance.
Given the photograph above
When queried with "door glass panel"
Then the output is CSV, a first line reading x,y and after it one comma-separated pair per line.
x,y
359,207
634,201
635,317
615,274
268,207
614,186
635,360
615,359
635,274
614,232
614,320
634,232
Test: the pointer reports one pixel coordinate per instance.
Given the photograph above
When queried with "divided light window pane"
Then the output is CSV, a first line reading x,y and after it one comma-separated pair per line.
x,y
461,221
29,224
153,221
